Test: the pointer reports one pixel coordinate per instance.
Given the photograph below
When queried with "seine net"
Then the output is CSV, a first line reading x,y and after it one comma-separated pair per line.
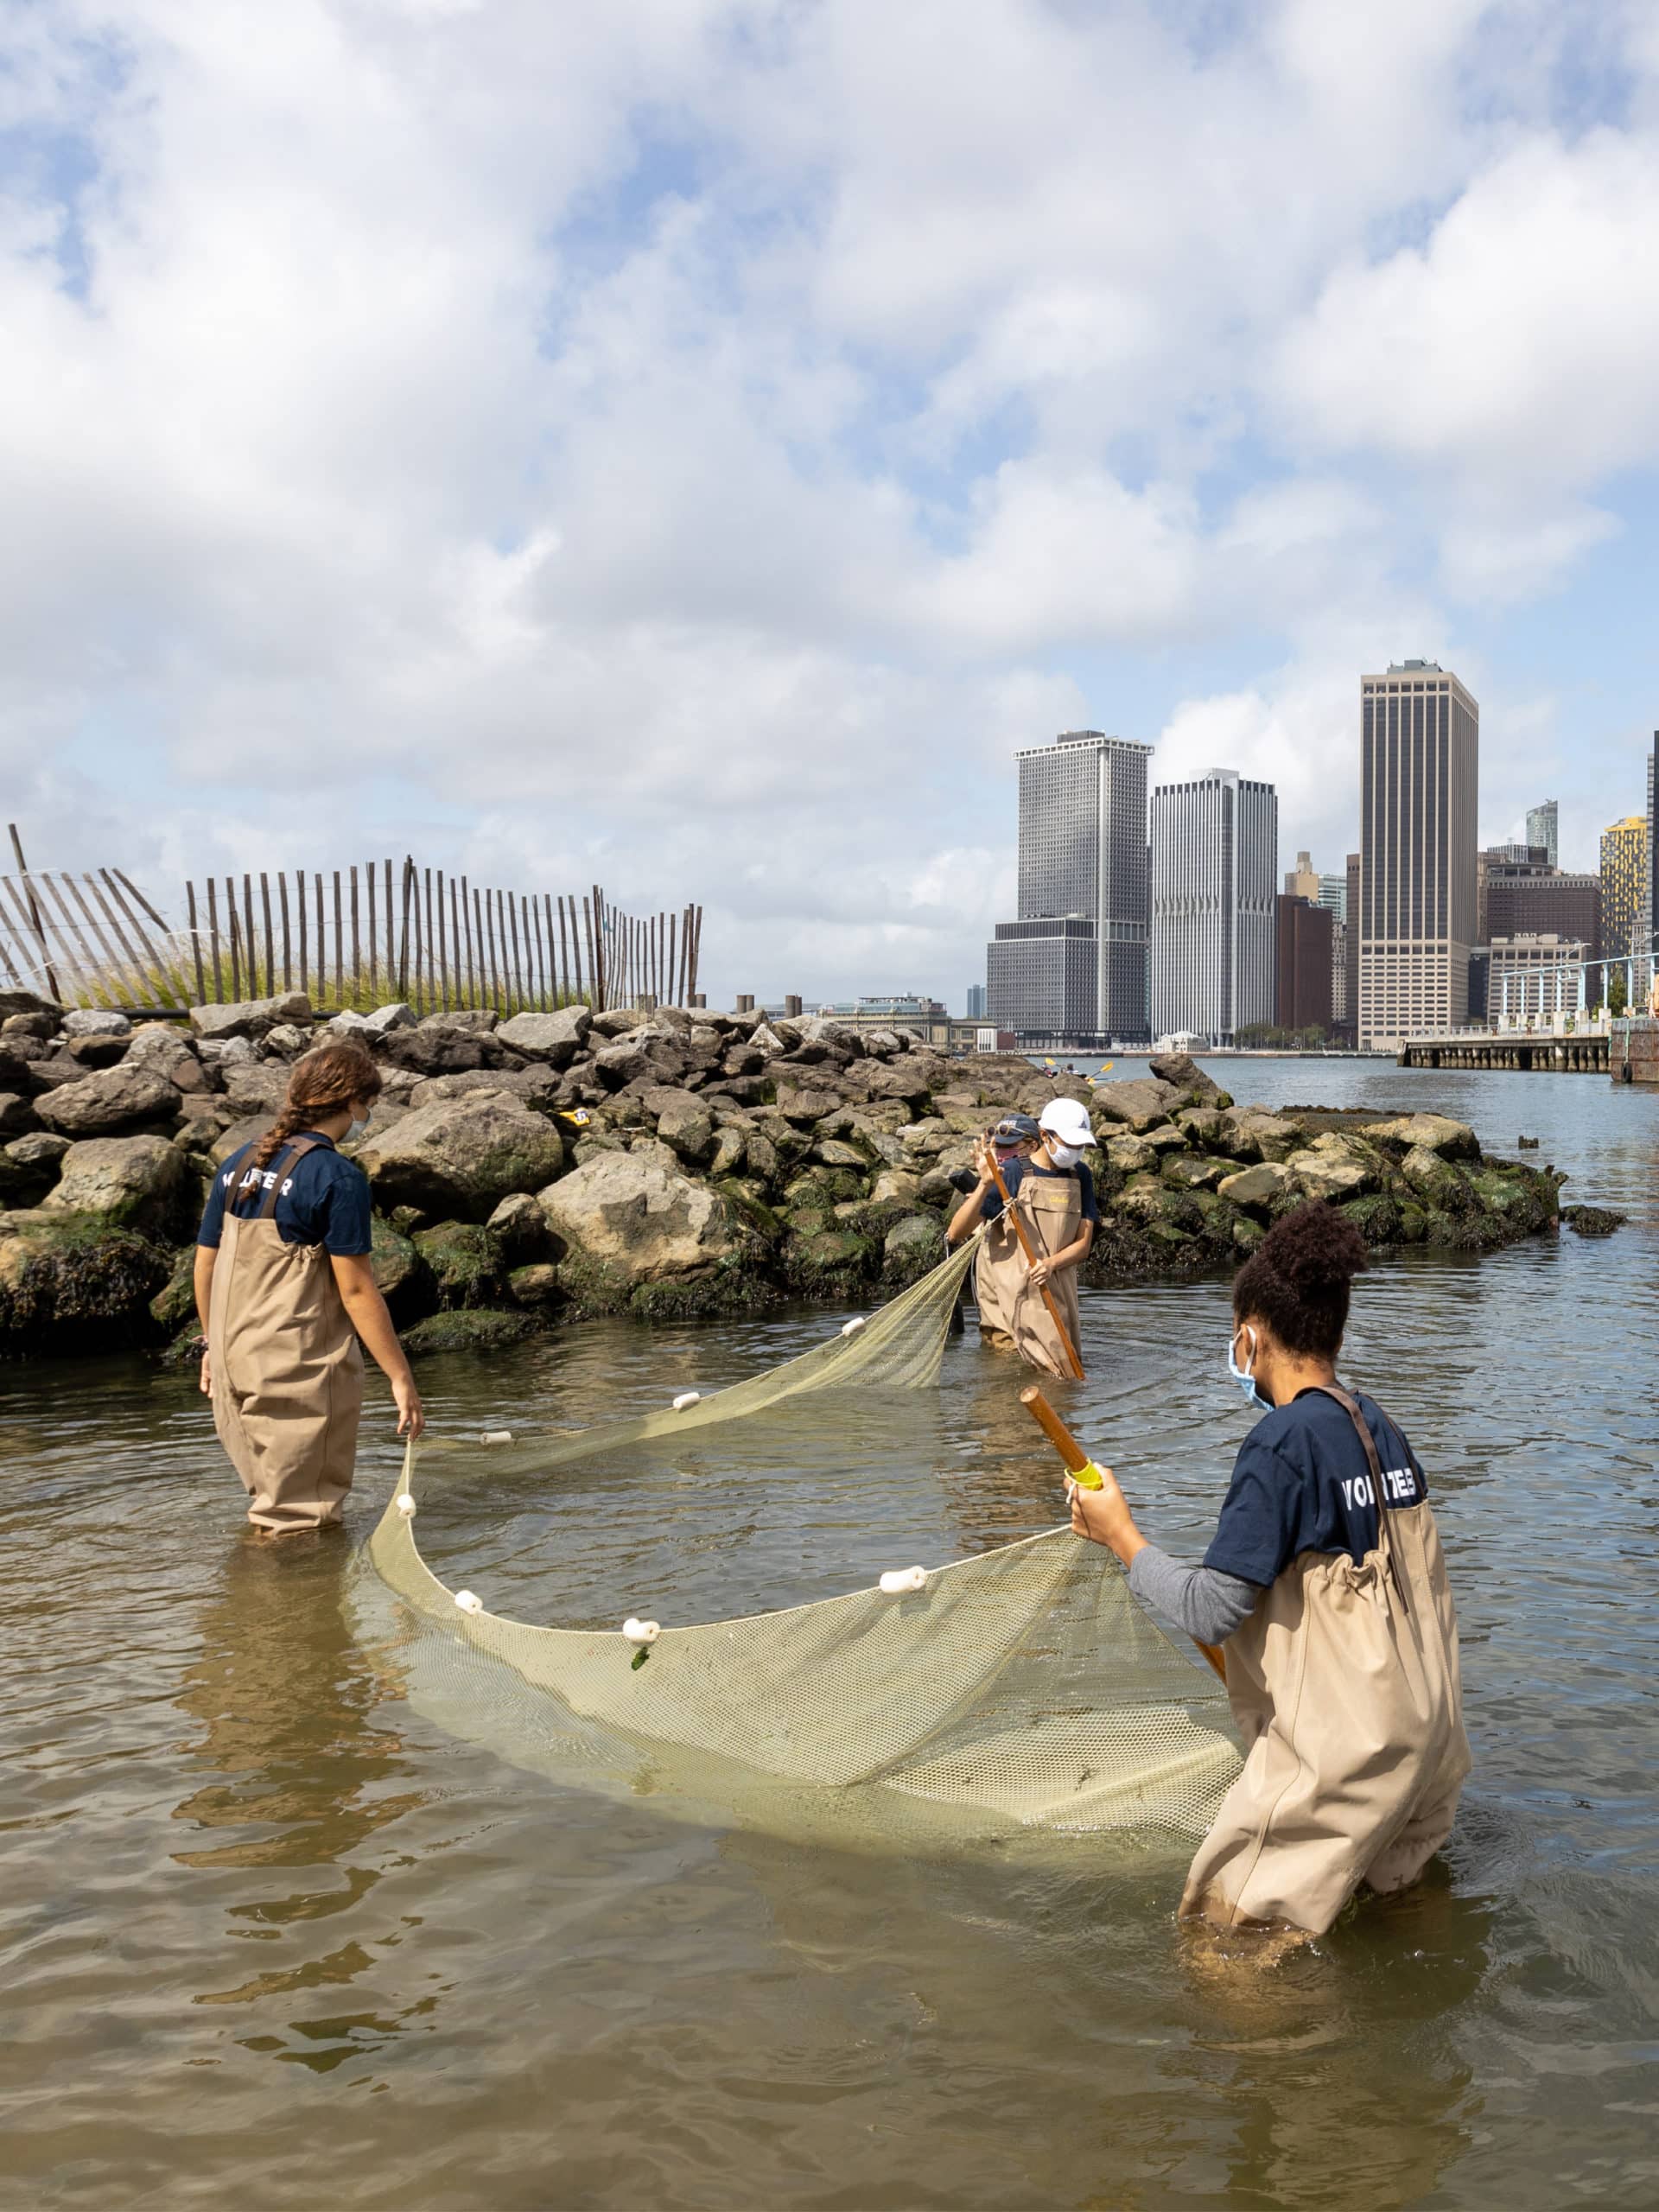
x,y
1023,1687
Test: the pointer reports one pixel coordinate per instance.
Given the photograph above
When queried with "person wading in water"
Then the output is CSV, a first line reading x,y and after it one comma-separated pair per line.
x,y
285,1292
1325,1586
1016,1137
1054,1195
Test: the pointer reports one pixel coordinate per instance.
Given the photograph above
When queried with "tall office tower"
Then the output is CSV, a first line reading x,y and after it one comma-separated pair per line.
x,y
1215,859
1544,828
1419,770
1302,992
1652,915
1350,944
1332,895
1624,875
1082,858
976,1001
1300,881
1528,899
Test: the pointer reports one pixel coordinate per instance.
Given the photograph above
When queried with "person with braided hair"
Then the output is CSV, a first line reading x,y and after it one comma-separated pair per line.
x,y
1325,1586
284,1294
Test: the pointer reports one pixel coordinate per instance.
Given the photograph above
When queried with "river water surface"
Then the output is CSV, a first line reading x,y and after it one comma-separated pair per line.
x,y
274,1931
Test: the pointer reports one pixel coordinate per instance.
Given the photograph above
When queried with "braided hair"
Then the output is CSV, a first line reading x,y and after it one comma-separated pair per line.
x,y
323,1082
1298,1279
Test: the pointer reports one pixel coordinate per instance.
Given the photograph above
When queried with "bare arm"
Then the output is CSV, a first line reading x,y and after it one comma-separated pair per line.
x,y
366,1311
968,1215
1069,1255
205,1256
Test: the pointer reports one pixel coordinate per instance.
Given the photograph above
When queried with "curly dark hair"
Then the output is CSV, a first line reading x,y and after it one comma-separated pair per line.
x,y
1297,1281
321,1084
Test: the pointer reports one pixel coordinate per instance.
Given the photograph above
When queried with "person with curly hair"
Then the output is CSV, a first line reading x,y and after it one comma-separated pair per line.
x,y
1326,1584
284,1294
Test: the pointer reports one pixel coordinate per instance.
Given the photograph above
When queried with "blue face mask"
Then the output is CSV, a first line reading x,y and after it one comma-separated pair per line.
x,y
1244,1379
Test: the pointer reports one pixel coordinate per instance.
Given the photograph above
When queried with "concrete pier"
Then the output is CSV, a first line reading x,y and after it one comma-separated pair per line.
x,y
1628,1050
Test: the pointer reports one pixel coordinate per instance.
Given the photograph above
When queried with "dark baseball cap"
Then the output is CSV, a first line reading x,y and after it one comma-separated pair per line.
x,y
1016,1128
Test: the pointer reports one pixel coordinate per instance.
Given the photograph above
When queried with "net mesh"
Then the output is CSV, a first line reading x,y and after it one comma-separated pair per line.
x,y
1024,1686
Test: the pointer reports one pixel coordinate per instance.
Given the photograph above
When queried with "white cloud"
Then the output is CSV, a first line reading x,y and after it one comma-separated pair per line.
x,y
696,440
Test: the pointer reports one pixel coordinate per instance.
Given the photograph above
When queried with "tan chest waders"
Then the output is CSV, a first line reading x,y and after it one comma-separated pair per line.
x,y
286,1369
1345,1685
1012,1314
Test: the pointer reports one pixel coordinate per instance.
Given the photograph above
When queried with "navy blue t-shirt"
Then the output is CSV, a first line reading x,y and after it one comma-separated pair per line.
x,y
1300,1484
322,1200
1014,1172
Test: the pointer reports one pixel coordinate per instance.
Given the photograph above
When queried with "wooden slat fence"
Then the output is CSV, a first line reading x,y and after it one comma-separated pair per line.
x,y
356,936
89,939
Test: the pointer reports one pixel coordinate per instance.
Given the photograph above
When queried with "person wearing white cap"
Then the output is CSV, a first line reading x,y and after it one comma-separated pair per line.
x,y
1054,1195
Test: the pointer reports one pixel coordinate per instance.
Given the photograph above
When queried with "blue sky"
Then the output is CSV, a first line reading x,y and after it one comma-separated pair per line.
x,y
692,444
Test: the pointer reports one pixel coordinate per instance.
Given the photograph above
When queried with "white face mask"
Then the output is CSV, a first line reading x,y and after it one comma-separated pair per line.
x,y
1063,1155
359,1129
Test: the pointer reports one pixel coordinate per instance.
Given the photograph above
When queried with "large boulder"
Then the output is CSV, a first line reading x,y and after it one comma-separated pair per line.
x,y
537,1086
554,1039
621,1062
685,1125
1436,1133
905,1079
104,1104
1139,1104
1257,1134
465,1262
28,1003
29,1167
395,1264
1331,1170
1439,1182
438,1046
1257,1189
96,1021
458,1158
249,1017
802,1107
911,1247
131,1180
630,1215
70,1281
1183,1074
256,1086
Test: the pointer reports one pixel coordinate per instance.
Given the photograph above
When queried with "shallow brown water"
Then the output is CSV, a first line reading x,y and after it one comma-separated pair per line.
x,y
273,1935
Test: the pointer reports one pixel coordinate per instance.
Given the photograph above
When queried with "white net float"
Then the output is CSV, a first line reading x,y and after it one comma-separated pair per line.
x,y
898,1579
687,1398
851,1328
405,1503
641,1632
467,1603
496,1436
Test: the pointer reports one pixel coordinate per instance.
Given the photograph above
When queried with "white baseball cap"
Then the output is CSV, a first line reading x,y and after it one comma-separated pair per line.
x,y
1068,1119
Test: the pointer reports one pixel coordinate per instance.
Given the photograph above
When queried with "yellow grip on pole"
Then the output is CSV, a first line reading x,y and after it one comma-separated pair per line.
x,y
1087,1476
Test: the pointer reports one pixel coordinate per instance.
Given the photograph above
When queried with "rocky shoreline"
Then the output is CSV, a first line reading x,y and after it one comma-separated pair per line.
x,y
558,1165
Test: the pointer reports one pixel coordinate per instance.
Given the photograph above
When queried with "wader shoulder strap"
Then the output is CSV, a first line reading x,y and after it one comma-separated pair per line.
x,y
1350,1405
281,1161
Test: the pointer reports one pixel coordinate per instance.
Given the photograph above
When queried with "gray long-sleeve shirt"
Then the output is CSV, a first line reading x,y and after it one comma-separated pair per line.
x,y
1204,1601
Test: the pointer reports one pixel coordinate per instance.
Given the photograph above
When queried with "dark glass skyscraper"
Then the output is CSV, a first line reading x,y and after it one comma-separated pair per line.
x,y
1082,869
